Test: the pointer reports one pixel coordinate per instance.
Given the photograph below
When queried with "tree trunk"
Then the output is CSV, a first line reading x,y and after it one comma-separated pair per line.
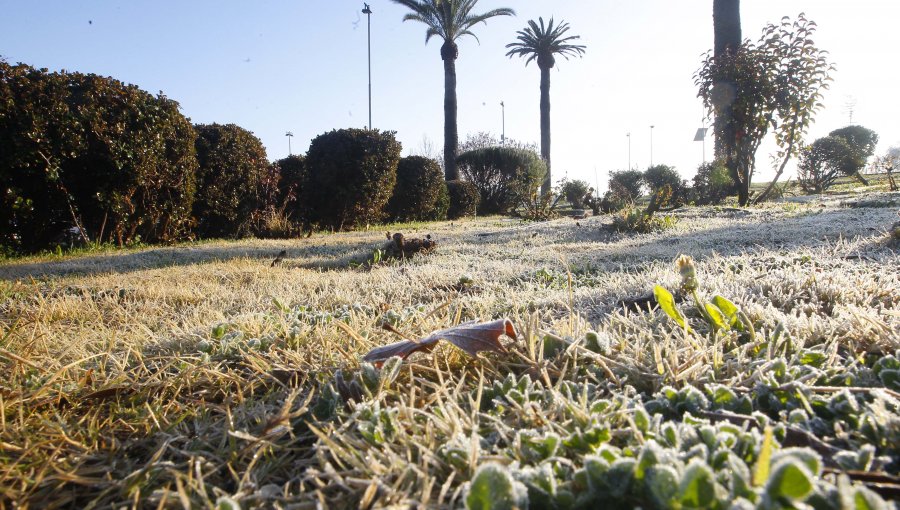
x,y
790,151
860,178
449,53
727,39
545,127
726,26
744,193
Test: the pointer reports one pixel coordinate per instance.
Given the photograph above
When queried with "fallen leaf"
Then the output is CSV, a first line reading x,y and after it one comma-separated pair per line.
x,y
472,337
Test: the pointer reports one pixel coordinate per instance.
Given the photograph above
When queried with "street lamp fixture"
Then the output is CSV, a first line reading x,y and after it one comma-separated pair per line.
x,y
289,135
651,144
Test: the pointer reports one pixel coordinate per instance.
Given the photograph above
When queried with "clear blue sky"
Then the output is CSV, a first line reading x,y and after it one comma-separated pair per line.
x,y
273,66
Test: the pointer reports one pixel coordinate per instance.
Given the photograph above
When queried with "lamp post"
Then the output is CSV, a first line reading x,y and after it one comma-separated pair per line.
x,y
289,135
368,12
503,115
651,144
629,149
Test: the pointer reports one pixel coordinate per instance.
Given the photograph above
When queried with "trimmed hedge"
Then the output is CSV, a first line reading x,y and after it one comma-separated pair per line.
x,y
420,193
464,198
293,174
351,176
90,155
232,176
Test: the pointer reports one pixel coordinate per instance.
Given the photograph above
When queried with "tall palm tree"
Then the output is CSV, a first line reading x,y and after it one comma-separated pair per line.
x,y
543,43
450,20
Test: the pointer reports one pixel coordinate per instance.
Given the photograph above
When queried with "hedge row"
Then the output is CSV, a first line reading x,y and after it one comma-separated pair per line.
x,y
91,159
91,154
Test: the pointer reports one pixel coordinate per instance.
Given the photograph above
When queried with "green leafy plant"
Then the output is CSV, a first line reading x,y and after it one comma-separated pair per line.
x,y
720,314
777,83
637,220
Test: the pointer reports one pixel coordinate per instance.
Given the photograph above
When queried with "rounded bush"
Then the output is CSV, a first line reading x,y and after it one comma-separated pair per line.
x,y
420,193
352,173
504,176
658,177
90,155
232,176
464,199
713,183
575,192
292,175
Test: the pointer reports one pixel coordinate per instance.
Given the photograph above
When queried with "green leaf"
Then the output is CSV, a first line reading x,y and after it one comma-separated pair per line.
x,y
663,484
667,303
698,486
761,472
730,310
718,320
864,499
227,503
790,480
493,488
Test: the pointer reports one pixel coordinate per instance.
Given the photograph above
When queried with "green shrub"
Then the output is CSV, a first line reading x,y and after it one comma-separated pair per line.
x,y
861,143
233,167
636,220
292,176
658,177
629,183
92,155
463,199
575,192
271,218
504,176
620,193
821,163
713,183
352,173
420,193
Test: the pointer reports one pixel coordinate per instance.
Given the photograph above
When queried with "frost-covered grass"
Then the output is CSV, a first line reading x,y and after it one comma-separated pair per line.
x,y
183,376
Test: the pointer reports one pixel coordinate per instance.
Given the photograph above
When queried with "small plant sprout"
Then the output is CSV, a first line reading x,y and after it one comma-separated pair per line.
x,y
721,314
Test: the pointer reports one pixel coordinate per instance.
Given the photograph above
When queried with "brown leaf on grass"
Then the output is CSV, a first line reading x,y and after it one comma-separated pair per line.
x,y
472,337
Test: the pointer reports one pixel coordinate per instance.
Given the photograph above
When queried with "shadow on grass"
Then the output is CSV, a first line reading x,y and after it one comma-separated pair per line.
x,y
321,253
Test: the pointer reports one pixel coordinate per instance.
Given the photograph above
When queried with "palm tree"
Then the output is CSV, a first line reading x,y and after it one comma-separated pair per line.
x,y
450,20
542,43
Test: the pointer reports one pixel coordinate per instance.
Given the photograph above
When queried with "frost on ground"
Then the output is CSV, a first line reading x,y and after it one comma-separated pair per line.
x,y
182,375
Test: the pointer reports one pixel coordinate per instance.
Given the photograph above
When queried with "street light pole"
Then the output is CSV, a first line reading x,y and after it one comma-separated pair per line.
x,y
651,144
503,113
289,135
629,149
368,12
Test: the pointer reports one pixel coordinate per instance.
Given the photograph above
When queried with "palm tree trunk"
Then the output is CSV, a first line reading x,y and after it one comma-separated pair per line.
x,y
449,52
545,127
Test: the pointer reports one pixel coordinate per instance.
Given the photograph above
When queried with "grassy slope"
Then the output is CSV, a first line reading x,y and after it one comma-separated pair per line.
x,y
118,389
